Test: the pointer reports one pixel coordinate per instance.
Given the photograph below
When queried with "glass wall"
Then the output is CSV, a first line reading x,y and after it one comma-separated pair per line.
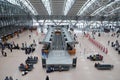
x,y
13,17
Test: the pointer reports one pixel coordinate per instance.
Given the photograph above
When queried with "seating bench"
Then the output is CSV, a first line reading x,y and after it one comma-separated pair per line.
x,y
103,66
22,68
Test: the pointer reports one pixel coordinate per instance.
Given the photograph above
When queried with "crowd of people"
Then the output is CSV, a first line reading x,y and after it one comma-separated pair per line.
x,y
12,46
9,46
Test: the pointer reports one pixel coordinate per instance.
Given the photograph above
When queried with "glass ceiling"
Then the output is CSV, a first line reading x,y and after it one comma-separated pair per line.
x,y
26,3
47,6
104,7
68,5
85,6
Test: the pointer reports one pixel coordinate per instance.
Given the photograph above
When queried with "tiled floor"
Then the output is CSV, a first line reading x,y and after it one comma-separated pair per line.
x,y
84,71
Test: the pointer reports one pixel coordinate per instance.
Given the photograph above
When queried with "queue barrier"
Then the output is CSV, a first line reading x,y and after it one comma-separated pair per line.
x,y
97,44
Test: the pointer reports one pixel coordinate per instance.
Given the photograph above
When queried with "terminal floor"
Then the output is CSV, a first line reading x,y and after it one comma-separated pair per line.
x,y
85,69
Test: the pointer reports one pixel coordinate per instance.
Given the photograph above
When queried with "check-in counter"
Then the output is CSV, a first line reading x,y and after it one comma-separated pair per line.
x,y
72,52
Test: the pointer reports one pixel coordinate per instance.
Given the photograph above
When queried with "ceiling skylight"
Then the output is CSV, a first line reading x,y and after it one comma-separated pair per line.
x,y
104,7
47,6
85,6
114,11
26,3
68,5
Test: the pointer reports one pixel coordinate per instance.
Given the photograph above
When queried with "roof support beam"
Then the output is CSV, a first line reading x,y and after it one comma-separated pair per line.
x,y
88,18
54,22
68,5
103,8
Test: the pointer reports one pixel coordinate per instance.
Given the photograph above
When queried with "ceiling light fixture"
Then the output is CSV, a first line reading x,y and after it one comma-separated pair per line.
x,y
47,6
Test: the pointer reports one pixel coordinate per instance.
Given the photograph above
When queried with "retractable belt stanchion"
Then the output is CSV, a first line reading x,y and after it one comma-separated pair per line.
x,y
97,44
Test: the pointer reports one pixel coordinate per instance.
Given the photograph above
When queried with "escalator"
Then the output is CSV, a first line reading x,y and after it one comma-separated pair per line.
x,y
57,42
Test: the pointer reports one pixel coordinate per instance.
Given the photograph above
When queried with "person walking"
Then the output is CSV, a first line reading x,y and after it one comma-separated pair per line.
x,y
29,36
2,52
11,49
108,42
47,77
26,51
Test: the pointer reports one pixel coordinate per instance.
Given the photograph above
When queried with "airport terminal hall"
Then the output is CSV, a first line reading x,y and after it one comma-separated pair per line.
x,y
59,39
